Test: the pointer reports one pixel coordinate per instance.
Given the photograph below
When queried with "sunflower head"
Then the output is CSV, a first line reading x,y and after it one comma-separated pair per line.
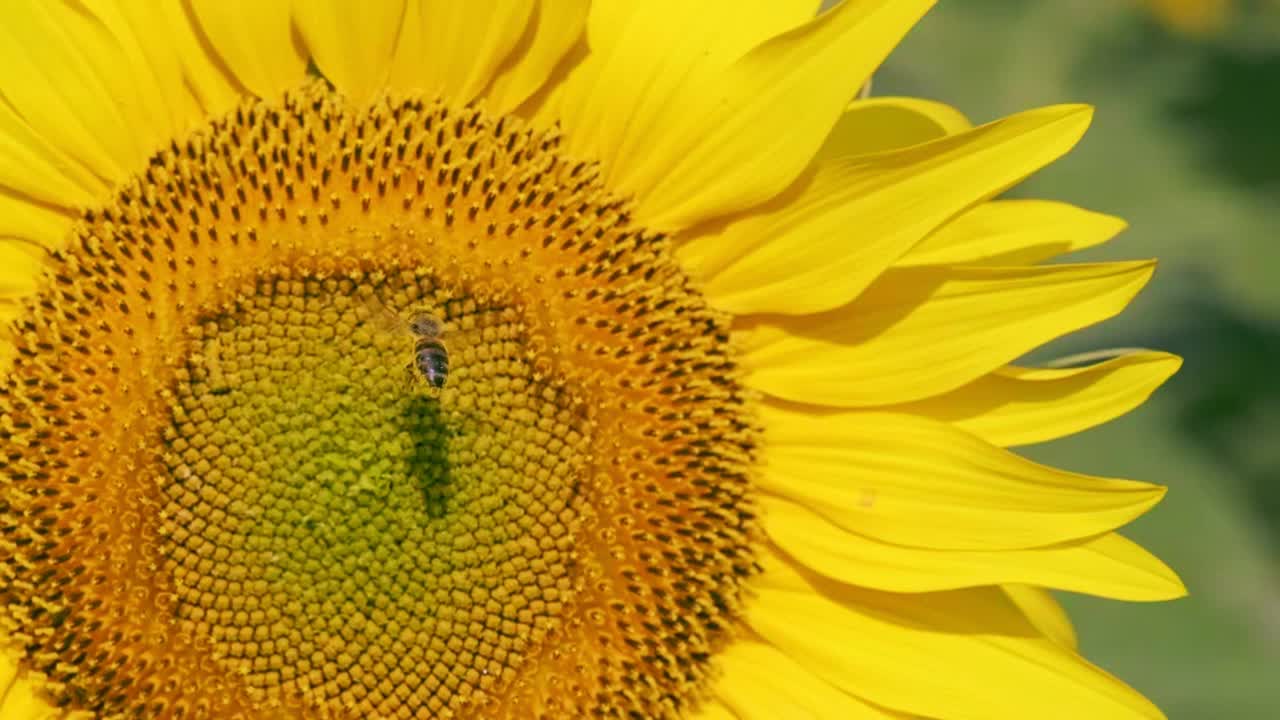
x,y
421,361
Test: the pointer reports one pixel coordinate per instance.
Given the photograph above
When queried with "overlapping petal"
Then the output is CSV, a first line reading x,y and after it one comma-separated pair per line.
x,y
89,92
878,124
620,97
1106,565
256,41
37,171
1018,405
1044,612
53,83
353,44
696,131
919,332
818,245
760,682
180,81
937,654
22,219
556,27
1013,232
921,483
171,39
453,49
107,84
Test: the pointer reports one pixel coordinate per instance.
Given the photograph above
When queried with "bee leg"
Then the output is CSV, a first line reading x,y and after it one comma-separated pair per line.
x,y
411,380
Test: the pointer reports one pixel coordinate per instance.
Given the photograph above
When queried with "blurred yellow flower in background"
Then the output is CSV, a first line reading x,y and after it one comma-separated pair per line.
x,y
1192,16
729,376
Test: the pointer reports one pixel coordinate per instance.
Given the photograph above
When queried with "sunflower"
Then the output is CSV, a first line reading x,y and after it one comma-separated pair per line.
x,y
412,359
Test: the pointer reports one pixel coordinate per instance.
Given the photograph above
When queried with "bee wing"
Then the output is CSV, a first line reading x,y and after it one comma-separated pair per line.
x,y
425,324
375,313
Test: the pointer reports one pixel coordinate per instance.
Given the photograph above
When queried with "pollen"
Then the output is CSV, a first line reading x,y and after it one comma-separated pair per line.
x,y
227,493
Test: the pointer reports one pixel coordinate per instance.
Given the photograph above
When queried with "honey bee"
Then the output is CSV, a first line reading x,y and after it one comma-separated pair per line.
x,y
430,361
430,356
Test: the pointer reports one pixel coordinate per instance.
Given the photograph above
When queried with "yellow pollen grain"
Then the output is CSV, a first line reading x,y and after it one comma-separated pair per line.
x,y
225,492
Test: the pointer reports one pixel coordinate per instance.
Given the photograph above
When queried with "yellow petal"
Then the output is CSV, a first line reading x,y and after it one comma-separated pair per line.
x,y
8,672
611,21
617,102
18,699
20,266
1044,612
761,683
755,129
453,49
256,41
919,332
1106,566
69,95
353,44
169,37
23,219
102,35
1017,405
9,311
818,245
921,483
693,128
712,710
32,168
103,84
556,27
143,31
1013,232
959,654
888,123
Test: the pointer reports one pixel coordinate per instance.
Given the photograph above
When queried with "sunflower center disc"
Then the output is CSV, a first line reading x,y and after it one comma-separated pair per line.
x,y
227,492
332,523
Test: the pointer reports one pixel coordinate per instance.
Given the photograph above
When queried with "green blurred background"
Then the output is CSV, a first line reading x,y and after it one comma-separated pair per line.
x,y
1185,145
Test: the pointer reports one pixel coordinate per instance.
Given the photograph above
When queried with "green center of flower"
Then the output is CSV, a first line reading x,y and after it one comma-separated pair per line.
x,y
332,522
